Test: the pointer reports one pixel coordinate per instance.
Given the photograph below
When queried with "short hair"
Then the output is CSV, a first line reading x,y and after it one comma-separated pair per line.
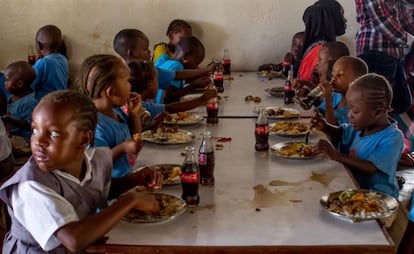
x,y
84,110
96,72
24,71
299,35
50,37
127,39
141,73
336,49
190,45
177,25
359,67
376,89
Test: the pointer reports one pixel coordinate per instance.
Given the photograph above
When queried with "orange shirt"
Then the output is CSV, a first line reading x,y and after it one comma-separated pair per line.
x,y
308,63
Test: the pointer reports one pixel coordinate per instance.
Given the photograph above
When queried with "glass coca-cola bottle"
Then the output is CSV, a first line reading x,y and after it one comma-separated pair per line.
x,y
226,62
206,160
212,108
314,98
190,178
261,132
289,92
218,79
31,56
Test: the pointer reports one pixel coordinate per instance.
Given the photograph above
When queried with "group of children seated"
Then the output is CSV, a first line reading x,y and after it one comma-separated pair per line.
x,y
90,137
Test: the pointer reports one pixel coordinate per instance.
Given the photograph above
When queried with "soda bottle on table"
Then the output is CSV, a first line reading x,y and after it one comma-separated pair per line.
x,y
314,98
226,62
289,92
212,108
31,56
190,178
287,62
261,132
206,160
218,79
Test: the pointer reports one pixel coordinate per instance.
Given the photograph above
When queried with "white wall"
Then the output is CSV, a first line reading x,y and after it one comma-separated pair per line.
x,y
255,31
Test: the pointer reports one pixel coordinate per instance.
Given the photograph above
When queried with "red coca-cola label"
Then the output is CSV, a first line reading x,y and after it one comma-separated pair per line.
x,y
261,129
286,63
226,61
213,105
288,88
218,76
202,159
189,178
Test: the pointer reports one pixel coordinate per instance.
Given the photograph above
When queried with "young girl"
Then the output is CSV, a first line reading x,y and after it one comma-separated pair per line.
x,y
374,142
177,29
53,198
105,79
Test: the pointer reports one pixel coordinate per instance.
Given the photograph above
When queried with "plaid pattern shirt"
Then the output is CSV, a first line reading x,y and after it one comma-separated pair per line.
x,y
384,25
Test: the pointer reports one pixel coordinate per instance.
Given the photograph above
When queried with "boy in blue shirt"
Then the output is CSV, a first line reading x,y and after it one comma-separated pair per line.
x,y
52,68
19,75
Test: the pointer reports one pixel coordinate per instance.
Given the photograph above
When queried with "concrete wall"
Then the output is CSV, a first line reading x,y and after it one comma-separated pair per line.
x,y
255,31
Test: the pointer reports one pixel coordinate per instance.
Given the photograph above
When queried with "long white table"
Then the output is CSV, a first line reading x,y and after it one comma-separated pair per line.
x,y
244,212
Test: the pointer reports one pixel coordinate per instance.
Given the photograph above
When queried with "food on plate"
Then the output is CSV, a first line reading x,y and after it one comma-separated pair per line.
x,y
289,128
170,172
281,112
183,118
136,137
296,149
168,135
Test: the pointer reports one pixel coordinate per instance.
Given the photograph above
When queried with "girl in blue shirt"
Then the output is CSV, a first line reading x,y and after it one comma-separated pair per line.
x,y
373,142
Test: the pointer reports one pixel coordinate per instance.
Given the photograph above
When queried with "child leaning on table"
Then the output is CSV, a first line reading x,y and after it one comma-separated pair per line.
x,y
371,142
105,79
53,198
177,29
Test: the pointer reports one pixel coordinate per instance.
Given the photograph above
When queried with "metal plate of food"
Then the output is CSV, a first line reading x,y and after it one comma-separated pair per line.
x,y
168,136
289,129
358,205
170,208
170,172
276,91
294,150
274,112
267,74
183,119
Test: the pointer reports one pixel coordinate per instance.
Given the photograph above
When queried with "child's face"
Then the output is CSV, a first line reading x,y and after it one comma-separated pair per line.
x,y
13,81
121,88
175,37
361,114
141,51
56,139
296,47
193,61
342,76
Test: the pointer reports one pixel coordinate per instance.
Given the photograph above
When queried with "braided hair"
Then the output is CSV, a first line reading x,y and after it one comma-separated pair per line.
x,y
96,72
376,90
177,25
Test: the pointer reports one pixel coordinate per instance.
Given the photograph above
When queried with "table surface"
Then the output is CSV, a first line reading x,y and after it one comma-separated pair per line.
x,y
260,202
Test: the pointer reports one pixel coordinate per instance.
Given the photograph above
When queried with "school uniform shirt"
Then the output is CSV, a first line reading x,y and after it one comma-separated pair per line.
x,y
51,74
341,114
383,149
22,109
41,202
111,133
411,213
5,145
153,108
3,90
164,62
161,49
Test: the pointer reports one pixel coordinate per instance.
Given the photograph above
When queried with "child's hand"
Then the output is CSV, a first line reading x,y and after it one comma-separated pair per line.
x,y
132,146
318,121
324,146
149,178
146,202
208,94
326,88
201,82
158,120
134,103
211,67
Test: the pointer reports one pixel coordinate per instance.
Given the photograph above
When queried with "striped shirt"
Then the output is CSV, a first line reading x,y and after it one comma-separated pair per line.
x,y
384,25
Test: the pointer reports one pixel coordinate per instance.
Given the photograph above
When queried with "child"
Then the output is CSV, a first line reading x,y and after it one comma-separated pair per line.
x,y
374,142
345,70
6,156
189,54
290,57
177,30
132,45
105,79
52,68
53,198
144,82
19,75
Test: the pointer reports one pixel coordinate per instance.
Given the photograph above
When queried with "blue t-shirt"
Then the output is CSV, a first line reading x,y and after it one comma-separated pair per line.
x,y
341,114
153,108
3,90
111,133
22,109
383,149
411,213
164,62
51,74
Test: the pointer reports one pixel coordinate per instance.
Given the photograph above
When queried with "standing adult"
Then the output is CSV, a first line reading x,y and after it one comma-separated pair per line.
x,y
324,21
380,41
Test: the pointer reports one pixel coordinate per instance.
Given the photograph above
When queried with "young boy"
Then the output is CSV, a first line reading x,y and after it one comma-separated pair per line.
x,y
52,68
132,44
189,53
19,75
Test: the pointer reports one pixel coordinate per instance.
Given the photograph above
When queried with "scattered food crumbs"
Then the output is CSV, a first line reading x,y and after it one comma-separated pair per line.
x,y
226,97
219,146
182,153
257,99
295,200
194,226
223,139
258,210
192,211
241,75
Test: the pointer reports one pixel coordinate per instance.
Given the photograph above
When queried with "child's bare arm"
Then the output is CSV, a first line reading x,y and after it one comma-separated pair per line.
x,y
76,236
195,73
332,131
134,106
187,105
173,93
329,111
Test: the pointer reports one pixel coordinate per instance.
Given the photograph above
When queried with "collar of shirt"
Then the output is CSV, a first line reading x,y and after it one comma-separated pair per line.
x,y
88,174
